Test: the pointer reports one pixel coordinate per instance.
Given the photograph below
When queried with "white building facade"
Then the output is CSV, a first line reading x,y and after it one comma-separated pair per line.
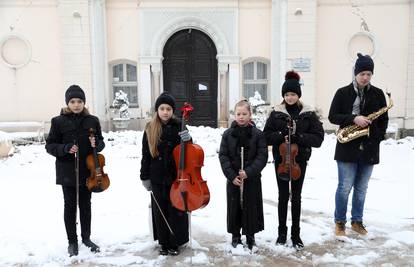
x,y
211,53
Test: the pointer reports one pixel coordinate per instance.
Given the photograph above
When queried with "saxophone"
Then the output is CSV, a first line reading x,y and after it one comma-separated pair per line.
x,y
354,131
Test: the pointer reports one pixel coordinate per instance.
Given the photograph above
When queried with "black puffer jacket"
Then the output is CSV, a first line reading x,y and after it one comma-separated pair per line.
x,y
161,169
340,113
309,131
66,129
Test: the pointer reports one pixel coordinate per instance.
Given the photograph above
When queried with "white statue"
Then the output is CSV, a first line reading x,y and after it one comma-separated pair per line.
x,y
121,104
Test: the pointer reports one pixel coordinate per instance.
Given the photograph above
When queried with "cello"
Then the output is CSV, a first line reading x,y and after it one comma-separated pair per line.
x,y
189,191
288,169
98,181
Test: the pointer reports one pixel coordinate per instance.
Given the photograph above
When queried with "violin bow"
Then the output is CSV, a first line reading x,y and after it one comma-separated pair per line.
x,y
162,214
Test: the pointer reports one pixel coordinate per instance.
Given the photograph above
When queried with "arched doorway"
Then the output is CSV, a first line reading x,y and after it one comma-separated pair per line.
x,y
190,74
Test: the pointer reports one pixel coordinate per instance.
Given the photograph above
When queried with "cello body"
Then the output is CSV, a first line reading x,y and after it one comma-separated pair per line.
x,y
189,191
189,183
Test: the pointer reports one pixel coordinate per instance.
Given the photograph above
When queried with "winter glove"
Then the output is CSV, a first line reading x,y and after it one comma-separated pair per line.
x,y
185,136
147,184
284,132
280,137
67,148
294,139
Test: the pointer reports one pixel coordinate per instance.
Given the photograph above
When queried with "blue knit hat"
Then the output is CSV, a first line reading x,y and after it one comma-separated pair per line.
x,y
363,63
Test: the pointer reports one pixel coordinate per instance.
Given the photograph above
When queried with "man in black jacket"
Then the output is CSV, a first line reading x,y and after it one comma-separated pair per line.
x,y
356,159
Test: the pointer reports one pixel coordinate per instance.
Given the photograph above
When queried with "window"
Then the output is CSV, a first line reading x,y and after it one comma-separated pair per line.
x,y
255,75
124,77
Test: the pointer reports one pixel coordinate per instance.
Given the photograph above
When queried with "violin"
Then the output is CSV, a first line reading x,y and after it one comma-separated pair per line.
x,y
98,181
288,168
189,191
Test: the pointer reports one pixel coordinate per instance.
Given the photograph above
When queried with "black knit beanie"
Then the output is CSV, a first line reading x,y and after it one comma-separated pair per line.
x,y
165,98
363,63
74,91
291,83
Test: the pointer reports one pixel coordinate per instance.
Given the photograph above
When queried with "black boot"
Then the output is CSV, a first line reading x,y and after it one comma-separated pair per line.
x,y
73,249
173,251
92,246
250,241
163,250
235,240
282,232
296,241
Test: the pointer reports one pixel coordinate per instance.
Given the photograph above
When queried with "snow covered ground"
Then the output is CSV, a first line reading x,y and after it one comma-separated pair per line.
x,y
32,229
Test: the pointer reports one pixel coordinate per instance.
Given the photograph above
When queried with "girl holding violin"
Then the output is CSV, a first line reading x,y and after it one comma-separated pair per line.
x,y
69,138
292,129
243,155
162,134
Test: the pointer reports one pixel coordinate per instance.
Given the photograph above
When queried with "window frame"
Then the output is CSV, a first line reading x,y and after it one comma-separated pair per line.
x,y
123,83
266,81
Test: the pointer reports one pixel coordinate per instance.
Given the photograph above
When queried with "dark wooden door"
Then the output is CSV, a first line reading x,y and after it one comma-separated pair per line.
x,y
190,74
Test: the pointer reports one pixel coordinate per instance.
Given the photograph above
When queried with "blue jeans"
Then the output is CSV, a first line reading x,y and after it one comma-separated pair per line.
x,y
356,175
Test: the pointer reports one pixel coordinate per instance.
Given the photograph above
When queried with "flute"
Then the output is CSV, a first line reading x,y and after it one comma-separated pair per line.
x,y
241,185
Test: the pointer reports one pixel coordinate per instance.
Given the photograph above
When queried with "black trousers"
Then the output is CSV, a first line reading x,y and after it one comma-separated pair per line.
x,y
69,194
296,187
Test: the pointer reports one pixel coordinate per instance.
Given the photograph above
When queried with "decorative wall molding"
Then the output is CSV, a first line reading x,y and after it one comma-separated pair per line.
x,y
25,3
361,2
223,68
15,50
220,24
369,39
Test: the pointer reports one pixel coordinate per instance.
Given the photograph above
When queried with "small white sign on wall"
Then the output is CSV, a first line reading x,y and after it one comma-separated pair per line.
x,y
301,64
202,87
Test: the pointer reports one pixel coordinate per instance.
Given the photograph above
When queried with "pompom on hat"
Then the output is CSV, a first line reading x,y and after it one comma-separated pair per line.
x,y
291,83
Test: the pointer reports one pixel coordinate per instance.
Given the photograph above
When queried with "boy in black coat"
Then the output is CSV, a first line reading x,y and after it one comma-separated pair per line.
x,y
355,159
307,133
244,212
69,134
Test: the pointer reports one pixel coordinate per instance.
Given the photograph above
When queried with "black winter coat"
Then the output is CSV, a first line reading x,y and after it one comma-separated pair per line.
x,y
340,113
255,160
161,169
309,131
66,129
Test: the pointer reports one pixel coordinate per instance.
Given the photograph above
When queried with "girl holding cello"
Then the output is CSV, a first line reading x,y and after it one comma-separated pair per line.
x,y
243,155
69,141
162,134
292,124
